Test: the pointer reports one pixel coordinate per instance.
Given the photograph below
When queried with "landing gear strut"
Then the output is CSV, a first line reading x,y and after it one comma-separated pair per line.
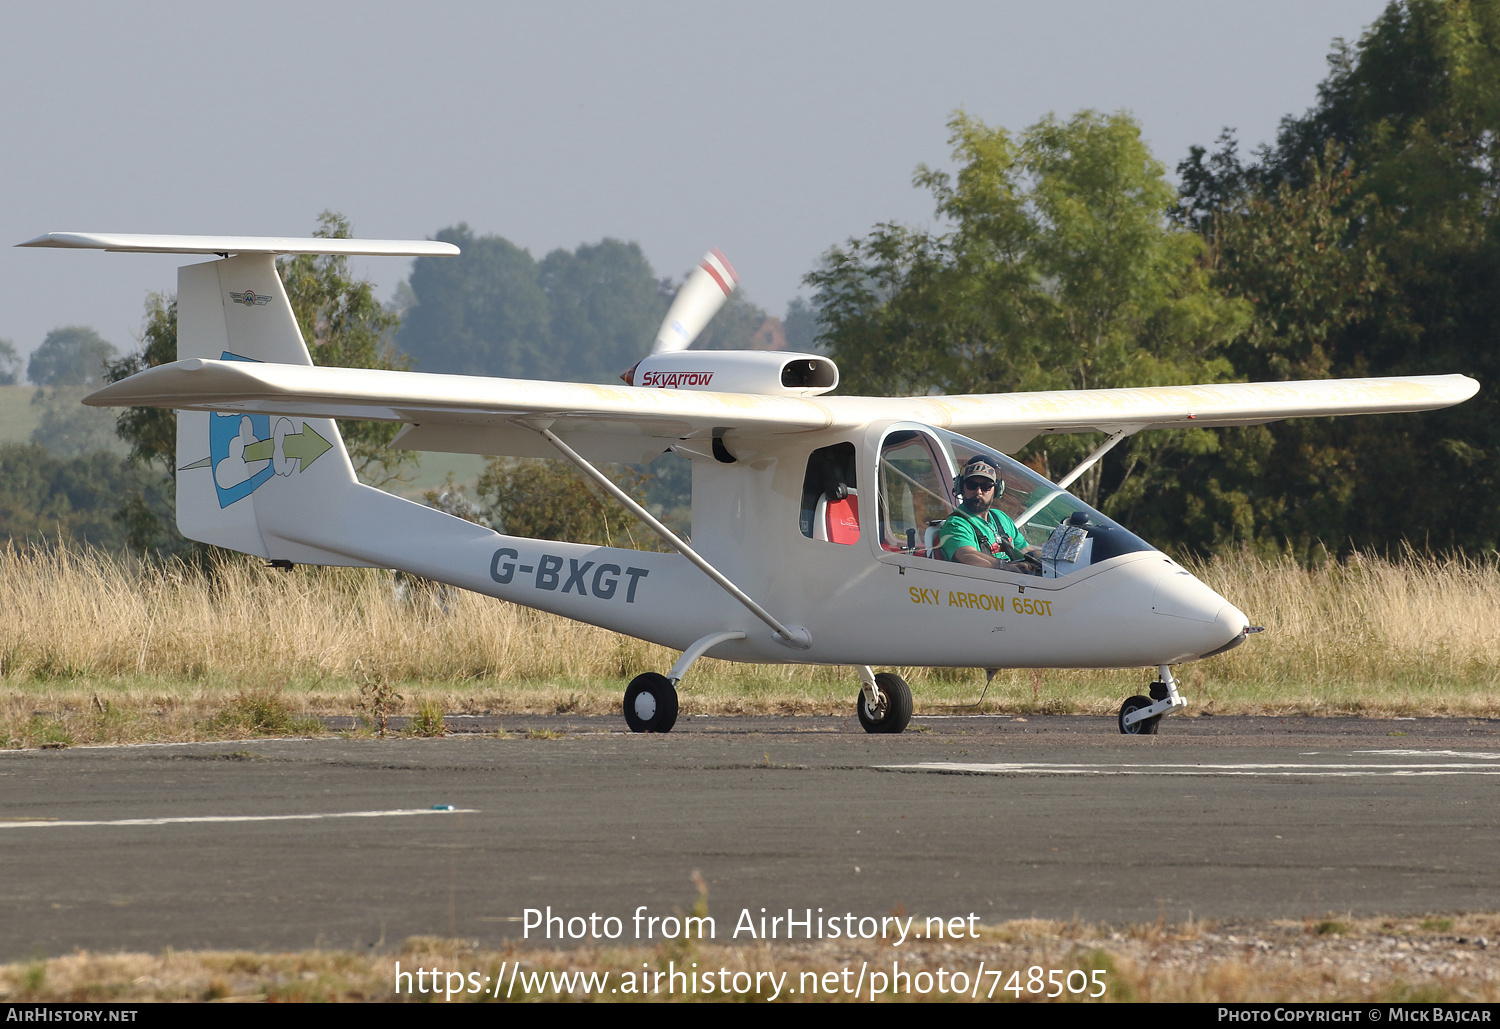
x,y
1141,716
651,699
884,704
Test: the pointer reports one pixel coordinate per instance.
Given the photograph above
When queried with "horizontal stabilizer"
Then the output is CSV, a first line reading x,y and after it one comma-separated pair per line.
x,y
144,243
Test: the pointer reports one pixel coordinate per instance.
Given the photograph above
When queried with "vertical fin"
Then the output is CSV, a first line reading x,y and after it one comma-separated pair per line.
x,y
247,481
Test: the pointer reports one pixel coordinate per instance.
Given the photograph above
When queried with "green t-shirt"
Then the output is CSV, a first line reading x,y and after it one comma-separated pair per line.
x,y
965,530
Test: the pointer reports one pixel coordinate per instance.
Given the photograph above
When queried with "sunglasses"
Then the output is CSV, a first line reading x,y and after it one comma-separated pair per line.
x,y
979,485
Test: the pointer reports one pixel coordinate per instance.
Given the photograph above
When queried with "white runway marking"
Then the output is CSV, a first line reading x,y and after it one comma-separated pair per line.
x,y
1241,768
177,743
395,813
1433,753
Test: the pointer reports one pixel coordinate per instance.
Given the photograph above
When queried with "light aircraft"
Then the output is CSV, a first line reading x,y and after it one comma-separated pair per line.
x,y
813,517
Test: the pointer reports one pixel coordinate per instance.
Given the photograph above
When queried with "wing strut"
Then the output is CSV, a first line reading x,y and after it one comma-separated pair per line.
x,y
1099,451
793,636
1083,466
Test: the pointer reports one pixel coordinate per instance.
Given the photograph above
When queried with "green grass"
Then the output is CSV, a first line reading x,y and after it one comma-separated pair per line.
x,y
428,721
260,713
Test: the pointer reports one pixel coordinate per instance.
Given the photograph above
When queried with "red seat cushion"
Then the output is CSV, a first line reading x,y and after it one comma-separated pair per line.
x,y
843,520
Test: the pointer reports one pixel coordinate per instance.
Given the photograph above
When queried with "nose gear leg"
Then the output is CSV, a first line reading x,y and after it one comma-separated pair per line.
x,y
1140,716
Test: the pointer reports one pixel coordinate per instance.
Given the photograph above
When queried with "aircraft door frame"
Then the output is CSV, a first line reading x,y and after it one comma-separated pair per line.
x,y
925,493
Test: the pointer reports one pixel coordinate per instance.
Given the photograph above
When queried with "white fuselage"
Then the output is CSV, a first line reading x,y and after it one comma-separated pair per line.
x,y
860,603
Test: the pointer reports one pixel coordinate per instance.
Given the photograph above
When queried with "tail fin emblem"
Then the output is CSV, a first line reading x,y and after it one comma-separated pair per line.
x,y
246,450
249,298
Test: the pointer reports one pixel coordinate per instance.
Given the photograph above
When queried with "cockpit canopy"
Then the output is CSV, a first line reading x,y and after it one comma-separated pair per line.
x,y
918,490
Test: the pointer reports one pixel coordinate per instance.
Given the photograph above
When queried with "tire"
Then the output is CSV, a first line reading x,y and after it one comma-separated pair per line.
x,y
1143,728
650,703
897,714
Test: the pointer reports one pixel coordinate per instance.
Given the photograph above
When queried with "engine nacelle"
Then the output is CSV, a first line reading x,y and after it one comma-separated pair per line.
x,y
766,372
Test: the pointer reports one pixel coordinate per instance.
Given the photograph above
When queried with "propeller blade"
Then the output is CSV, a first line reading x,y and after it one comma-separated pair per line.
x,y
697,301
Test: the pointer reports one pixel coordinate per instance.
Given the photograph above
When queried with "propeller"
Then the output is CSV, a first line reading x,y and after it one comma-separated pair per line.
x,y
697,301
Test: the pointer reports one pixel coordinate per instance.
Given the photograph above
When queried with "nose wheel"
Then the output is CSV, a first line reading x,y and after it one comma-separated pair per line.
x,y
650,703
1138,726
1141,716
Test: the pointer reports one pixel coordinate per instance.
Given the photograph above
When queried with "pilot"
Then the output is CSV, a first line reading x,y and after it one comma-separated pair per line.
x,y
980,534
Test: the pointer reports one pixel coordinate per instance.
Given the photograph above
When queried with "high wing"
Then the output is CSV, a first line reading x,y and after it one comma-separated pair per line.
x,y
463,414
469,414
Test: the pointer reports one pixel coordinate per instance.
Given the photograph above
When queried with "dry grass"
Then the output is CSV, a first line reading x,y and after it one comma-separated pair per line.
x,y
95,647
1432,959
1364,635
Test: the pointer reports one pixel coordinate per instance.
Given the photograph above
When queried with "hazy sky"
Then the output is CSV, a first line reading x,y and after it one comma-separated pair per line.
x,y
771,130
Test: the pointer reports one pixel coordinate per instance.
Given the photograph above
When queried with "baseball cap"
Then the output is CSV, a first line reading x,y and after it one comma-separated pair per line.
x,y
980,466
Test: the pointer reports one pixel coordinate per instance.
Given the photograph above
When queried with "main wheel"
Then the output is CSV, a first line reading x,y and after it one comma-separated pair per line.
x,y
896,714
1145,727
650,703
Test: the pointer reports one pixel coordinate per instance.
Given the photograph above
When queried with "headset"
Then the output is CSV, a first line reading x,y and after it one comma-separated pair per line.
x,y
958,480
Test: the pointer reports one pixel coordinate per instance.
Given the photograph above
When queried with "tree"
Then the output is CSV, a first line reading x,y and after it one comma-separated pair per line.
x,y
481,313
1059,271
151,432
10,363
605,304
1366,242
70,356
68,428
1289,250
147,514
578,316
44,496
550,500
802,326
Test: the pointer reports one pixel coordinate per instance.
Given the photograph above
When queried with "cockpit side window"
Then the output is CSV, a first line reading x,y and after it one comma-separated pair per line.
x,y
916,490
830,496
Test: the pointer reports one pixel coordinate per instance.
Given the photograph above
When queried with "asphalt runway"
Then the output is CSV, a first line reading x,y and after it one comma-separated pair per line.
x,y
290,844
